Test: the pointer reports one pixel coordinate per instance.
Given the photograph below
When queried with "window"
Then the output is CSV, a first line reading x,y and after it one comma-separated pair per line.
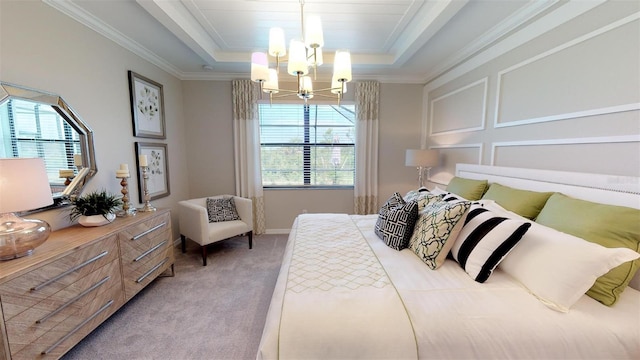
x,y
307,145
29,129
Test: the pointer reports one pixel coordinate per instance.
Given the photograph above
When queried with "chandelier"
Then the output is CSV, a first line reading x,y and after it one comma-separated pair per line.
x,y
303,54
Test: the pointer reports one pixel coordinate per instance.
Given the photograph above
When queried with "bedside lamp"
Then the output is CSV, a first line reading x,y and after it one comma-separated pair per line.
x,y
422,159
23,186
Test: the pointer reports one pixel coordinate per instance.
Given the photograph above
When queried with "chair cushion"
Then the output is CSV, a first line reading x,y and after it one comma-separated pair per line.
x,y
225,229
222,209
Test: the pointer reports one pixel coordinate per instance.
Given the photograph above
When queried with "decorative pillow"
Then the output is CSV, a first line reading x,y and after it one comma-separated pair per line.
x,y
436,231
608,225
467,188
558,268
423,196
395,222
485,239
522,202
222,209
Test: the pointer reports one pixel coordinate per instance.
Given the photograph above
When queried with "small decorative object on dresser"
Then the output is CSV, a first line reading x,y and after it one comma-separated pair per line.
x,y
94,209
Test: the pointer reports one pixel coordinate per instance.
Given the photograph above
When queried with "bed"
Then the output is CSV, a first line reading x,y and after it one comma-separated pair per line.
x,y
343,293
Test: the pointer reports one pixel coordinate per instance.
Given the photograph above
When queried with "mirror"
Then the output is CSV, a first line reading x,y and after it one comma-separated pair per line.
x,y
35,123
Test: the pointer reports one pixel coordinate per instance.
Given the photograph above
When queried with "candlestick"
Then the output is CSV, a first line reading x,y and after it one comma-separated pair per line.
x,y
145,177
126,209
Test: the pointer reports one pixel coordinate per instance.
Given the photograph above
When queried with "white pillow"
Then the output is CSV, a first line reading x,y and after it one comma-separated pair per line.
x,y
558,268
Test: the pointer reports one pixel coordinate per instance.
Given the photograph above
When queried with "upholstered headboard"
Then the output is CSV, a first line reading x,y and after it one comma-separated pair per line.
x,y
606,189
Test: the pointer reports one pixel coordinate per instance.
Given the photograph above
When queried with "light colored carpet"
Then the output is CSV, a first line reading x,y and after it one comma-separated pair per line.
x,y
212,312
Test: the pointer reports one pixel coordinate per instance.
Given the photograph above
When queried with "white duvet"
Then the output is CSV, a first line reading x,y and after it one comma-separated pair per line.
x,y
440,314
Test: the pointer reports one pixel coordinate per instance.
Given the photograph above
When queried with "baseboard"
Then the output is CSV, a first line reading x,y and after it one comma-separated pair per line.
x,y
277,231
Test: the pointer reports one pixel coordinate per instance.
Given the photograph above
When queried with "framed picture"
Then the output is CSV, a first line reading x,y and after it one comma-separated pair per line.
x,y
147,107
155,155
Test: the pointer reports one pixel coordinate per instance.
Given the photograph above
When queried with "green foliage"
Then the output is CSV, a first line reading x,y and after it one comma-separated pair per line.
x,y
94,203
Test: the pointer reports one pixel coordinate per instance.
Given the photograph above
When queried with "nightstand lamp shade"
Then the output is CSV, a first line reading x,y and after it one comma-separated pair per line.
x,y
24,185
422,159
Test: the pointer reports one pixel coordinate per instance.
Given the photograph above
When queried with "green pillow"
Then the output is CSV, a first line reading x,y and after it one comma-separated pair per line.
x,y
608,225
522,202
467,188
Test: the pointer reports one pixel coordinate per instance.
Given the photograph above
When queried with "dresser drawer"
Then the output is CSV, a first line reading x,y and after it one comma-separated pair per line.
x,y
146,251
61,312
29,289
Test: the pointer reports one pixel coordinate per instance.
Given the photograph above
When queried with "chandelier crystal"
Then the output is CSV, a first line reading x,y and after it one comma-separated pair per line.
x,y
302,54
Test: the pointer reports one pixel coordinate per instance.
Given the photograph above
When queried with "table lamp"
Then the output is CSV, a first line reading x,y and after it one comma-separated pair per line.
x,y
24,185
423,160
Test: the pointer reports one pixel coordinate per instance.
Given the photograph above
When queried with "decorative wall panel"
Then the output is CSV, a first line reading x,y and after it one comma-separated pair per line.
x,y
461,110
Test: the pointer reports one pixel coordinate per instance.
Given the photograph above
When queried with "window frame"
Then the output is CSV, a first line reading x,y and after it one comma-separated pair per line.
x,y
307,167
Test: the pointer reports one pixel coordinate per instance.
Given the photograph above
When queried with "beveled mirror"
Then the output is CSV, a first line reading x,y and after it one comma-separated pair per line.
x,y
35,123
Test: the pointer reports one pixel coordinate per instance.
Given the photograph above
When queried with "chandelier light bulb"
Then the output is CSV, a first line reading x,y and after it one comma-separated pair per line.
x,y
297,58
313,37
342,66
277,45
259,67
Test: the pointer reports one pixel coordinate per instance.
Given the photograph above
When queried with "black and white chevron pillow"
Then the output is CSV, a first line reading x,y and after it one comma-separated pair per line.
x,y
485,239
396,220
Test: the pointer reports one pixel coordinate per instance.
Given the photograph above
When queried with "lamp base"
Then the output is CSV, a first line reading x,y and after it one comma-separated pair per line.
x,y
18,236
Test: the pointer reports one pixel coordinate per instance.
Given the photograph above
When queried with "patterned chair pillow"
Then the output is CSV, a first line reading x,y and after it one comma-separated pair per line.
x,y
222,209
436,231
396,220
485,239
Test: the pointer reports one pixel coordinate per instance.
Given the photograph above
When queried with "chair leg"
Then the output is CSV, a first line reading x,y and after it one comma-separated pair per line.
x,y
183,240
204,255
250,234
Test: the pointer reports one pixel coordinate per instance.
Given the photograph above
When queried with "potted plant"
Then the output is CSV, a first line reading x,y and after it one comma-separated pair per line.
x,y
94,209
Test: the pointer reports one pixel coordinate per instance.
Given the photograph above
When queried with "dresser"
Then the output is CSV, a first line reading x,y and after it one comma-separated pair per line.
x,y
78,278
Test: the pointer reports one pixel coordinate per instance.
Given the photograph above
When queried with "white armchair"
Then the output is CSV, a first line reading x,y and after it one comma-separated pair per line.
x,y
195,225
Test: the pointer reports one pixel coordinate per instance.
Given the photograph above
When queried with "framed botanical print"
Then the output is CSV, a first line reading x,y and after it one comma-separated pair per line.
x,y
154,157
147,107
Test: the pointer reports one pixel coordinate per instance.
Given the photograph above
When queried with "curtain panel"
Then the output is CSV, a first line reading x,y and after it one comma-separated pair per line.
x,y
366,184
246,133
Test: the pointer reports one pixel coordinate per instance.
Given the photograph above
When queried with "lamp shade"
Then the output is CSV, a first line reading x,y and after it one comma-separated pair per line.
x,y
342,66
297,64
24,185
271,85
277,46
313,37
421,157
259,67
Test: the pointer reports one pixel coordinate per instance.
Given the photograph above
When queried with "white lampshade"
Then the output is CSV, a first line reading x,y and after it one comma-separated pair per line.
x,y
342,65
24,185
421,158
313,37
297,58
271,85
259,67
277,45
338,87
306,84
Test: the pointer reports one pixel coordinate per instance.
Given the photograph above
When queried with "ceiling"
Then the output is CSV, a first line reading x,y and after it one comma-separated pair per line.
x,y
409,41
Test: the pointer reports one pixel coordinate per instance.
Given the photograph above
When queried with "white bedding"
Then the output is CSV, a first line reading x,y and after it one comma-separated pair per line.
x,y
450,315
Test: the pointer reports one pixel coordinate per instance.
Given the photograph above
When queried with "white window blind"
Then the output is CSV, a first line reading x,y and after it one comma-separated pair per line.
x,y
31,130
307,145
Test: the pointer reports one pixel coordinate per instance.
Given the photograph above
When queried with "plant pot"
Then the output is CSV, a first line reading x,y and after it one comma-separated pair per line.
x,y
96,220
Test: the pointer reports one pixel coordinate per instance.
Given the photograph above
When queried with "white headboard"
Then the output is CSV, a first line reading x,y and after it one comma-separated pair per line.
x,y
605,189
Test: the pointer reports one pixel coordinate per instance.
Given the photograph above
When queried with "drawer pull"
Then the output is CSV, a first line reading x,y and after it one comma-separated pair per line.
x,y
148,231
75,298
150,251
78,267
144,276
75,329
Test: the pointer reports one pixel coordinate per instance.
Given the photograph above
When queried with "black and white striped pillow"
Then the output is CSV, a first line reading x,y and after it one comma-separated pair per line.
x,y
485,239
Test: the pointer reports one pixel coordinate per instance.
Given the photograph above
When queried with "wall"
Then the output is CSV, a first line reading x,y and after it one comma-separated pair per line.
x,y
44,49
565,100
209,128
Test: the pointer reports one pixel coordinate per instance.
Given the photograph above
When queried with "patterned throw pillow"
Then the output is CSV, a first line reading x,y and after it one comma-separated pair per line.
x,y
222,209
423,196
436,231
395,222
485,239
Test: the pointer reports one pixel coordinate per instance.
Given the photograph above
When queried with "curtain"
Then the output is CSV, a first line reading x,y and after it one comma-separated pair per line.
x,y
246,133
366,185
